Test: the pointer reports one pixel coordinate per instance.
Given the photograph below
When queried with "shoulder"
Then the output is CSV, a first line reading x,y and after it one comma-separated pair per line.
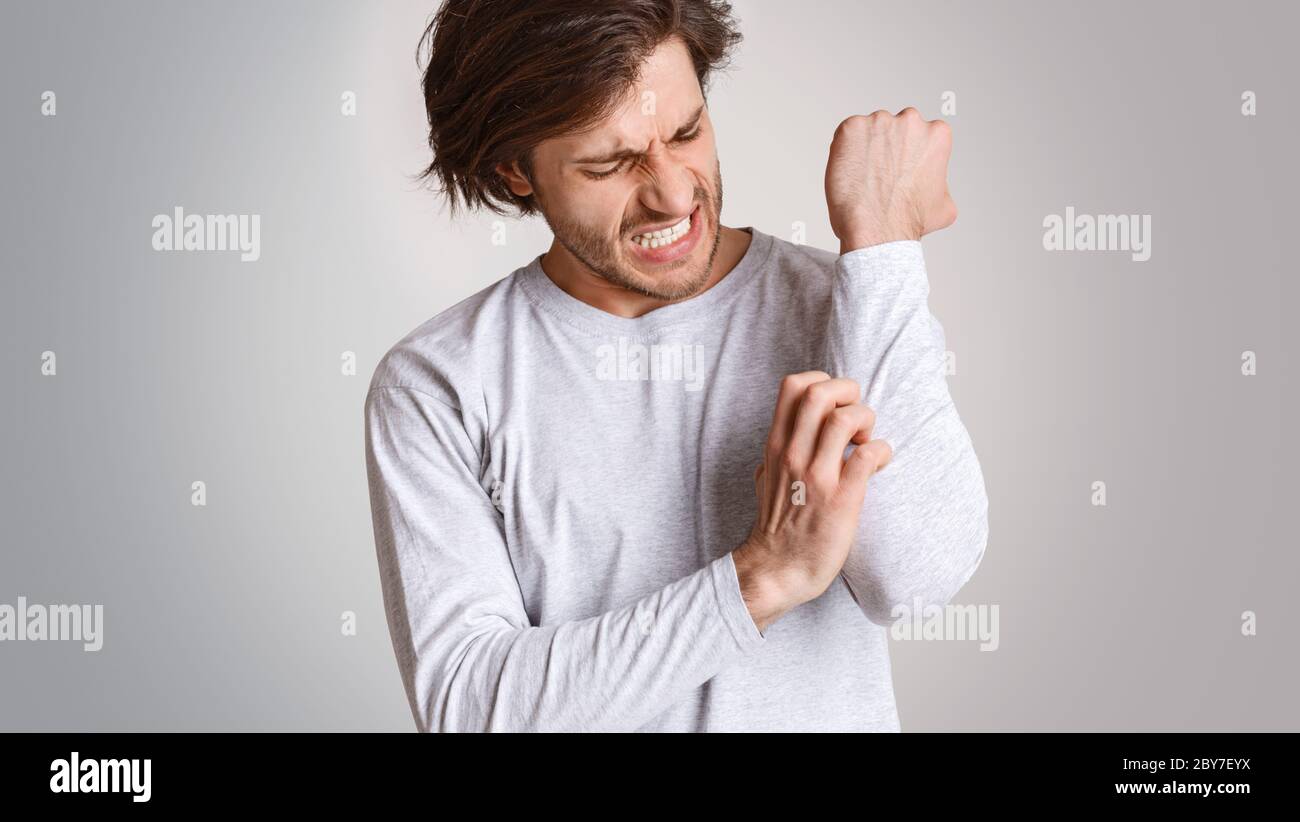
x,y
800,276
444,357
804,257
806,267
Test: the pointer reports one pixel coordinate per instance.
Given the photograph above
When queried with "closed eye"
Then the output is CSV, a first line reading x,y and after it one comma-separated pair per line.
x,y
602,174
686,138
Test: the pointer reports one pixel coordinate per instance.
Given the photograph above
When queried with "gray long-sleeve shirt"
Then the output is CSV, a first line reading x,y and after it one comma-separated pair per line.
x,y
556,492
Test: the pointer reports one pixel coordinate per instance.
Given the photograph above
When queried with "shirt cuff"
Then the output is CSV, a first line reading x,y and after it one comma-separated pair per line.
x,y
885,256
731,605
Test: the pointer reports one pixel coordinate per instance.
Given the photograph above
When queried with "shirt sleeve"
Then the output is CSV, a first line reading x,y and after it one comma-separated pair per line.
x,y
470,659
924,524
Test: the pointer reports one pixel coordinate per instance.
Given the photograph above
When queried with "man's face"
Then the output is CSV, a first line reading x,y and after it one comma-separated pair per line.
x,y
638,199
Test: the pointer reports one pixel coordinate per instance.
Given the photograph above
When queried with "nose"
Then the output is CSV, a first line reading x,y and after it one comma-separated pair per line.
x,y
669,188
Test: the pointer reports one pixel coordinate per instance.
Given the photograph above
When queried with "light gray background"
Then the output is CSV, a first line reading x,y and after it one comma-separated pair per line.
x,y
1072,367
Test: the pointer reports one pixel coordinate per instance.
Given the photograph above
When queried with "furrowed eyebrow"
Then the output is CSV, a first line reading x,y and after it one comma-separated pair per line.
x,y
623,154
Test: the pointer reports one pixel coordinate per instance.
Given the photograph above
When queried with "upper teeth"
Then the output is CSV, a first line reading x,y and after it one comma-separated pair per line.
x,y
664,236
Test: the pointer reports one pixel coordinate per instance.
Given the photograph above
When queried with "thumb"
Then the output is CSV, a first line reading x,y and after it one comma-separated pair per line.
x,y
865,461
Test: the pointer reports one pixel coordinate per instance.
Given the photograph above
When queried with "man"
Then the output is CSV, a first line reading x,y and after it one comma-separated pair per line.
x,y
571,529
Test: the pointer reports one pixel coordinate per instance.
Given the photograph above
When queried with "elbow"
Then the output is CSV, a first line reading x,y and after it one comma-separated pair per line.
x,y
464,691
437,708
933,551
437,690
444,698
950,563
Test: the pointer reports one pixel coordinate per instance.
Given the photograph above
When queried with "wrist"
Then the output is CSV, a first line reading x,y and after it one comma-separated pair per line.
x,y
857,243
866,231
764,585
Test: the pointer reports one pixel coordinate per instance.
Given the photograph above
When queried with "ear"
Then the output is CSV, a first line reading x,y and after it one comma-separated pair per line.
x,y
515,178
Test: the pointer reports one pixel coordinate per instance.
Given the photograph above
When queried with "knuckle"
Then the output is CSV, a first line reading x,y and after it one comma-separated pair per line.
x,y
843,420
792,463
850,124
796,383
818,393
846,416
824,485
793,386
839,423
875,121
789,383
772,450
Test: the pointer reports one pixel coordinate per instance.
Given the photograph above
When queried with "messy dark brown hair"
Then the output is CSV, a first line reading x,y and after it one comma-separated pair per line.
x,y
503,76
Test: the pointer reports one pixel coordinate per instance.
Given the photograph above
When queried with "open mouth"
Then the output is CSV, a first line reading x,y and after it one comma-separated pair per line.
x,y
666,244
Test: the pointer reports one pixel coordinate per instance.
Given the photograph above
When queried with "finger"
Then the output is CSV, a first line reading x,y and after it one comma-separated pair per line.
x,y
941,215
942,132
783,422
791,393
886,453
861,437
843,425
940,145
948,212
787,403
943,211
865,461
819,400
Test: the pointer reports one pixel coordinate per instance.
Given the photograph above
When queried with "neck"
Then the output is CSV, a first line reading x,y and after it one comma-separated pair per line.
x,y
580,282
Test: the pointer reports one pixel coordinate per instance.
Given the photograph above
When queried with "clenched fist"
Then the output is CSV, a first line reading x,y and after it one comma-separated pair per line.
x,y
887,179
809,495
